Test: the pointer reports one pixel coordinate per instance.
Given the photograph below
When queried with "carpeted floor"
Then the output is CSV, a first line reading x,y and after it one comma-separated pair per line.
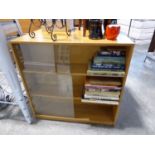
x,y
137,114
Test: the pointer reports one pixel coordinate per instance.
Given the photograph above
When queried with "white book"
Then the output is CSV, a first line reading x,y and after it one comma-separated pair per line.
x,y
99,101
100,97
106,73
107,94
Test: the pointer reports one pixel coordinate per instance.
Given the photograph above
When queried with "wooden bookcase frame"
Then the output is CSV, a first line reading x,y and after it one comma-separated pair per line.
x,y
81,51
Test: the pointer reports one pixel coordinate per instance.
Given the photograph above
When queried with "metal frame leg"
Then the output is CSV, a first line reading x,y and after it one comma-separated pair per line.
x,y
8,69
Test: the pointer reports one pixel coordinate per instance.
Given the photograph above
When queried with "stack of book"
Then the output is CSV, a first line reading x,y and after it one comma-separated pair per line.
x,y
108,62
103,92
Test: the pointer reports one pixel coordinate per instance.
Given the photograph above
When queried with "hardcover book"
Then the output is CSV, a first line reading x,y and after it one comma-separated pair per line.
x,y
92,86
112,94
103,81
110,60
108,66
94,101
105,73
101,97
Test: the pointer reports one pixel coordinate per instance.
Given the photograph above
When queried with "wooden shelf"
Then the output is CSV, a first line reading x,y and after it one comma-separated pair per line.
x,y
77,70
63,100
106,76
95,113
75,39
55,91
113,81
85,113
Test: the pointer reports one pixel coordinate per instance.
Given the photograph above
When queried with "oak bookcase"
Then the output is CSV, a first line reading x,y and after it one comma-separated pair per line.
x,y
54,74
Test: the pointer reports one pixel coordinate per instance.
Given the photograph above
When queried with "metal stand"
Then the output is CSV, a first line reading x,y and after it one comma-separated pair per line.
x,y
49,28
8,69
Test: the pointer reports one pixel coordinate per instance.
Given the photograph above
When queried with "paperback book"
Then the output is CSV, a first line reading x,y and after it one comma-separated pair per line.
x,y
104,81
101,97
112,94
94,101
93,72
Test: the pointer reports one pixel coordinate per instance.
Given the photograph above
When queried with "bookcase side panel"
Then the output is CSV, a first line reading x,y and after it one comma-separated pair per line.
x,y
129,54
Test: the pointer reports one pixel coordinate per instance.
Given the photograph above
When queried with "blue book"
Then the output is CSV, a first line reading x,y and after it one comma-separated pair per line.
x,y
108,66
111,60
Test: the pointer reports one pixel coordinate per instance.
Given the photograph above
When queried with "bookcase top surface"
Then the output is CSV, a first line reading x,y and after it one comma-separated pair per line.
x,y
75,38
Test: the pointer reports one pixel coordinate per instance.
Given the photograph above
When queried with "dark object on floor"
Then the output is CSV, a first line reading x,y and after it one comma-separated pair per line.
x,y
3,106
4,98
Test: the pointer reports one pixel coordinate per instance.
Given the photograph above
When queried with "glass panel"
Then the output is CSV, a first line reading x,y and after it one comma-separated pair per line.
x,y
49,84
53,106
38,57
62,58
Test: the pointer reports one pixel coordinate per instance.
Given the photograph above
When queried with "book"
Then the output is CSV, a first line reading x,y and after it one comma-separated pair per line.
x,y
101,97
103,81
105,73
111,52
94,101
100,90
108,66
102,87
109,60
107,94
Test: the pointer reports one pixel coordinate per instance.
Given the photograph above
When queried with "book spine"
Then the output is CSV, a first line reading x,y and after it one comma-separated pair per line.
x,y
100,60
101,97
112,61
112,73
88,89
111,52
109,58
103,88
102,94
100,102
108,66
105,75
110,55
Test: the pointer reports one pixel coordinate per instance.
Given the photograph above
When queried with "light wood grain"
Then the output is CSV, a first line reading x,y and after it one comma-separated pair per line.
x,y
75,38
81,51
